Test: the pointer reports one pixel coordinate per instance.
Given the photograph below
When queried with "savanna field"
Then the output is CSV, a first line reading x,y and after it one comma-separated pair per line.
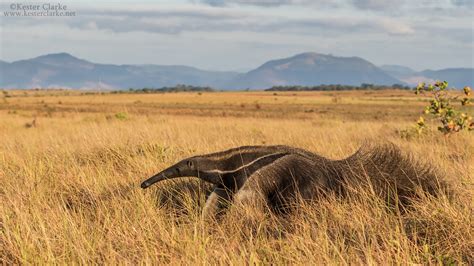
x,y
71,164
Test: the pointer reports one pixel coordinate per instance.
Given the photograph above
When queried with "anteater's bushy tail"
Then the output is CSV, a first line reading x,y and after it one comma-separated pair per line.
x,y
387,171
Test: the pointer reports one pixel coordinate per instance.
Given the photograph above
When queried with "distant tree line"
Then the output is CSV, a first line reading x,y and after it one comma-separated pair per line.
x,y
338,87
177,88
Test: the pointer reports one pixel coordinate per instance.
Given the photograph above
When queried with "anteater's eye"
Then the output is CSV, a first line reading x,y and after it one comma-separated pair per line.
x,y
190,163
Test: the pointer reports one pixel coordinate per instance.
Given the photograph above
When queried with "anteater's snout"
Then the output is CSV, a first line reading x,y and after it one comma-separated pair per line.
x,y
152,180
145,184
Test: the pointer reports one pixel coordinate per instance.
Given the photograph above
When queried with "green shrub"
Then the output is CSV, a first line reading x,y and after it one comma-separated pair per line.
x,y
442,110
121,116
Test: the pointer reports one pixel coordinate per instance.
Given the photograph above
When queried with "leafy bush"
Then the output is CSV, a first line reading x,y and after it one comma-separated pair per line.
x,y
121,116
441,108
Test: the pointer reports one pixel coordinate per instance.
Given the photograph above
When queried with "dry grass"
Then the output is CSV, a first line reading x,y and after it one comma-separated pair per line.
x,y
70,184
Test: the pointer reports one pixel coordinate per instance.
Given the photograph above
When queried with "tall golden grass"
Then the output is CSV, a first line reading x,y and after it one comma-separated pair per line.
x,y
70,184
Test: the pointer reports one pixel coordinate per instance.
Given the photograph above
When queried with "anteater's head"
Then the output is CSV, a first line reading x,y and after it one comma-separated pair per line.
x,y
212,167
197,166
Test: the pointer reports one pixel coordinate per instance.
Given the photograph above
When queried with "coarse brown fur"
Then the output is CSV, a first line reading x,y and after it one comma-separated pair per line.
x,y
278,175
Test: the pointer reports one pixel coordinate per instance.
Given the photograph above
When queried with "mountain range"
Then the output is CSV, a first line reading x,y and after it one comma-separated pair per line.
x,y
306,69
457,77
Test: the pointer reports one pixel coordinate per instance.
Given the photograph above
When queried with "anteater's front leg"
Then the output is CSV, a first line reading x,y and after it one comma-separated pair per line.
x,y
216,202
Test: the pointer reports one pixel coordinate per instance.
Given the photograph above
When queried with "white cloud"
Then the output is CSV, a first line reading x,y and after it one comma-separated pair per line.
x,y
223,19
377,4
397,28
263,2
236,35
466,3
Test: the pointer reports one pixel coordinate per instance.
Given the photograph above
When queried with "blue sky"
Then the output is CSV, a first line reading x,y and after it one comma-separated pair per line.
x,y
242,34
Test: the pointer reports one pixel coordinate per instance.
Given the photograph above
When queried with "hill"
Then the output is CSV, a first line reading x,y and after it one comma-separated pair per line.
x,y
309,69
306,69
457,77
65,70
